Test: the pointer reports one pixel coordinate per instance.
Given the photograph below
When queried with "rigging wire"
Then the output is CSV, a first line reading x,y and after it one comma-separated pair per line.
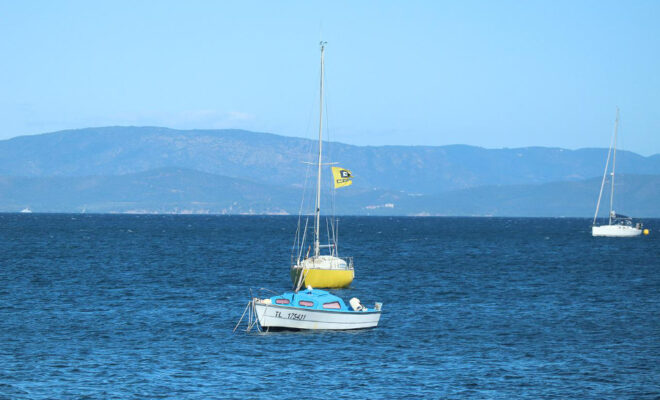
x,y
331,231
299,237
602,184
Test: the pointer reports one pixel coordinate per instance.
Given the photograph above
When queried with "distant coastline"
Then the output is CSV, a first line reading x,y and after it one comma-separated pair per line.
x,y
151,170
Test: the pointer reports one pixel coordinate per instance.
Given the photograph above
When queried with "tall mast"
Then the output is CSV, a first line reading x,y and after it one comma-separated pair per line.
x,y
616,126
317,247
607,166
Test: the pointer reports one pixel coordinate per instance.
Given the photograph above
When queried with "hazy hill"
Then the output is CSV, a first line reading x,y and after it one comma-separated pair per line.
x,y
274,159
132,169
171,190
165,190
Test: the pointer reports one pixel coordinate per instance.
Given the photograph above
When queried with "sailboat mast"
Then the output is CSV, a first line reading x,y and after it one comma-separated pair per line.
x,y
616,127
607,166
317,247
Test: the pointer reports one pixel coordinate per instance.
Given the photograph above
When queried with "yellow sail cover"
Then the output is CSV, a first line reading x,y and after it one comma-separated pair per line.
x,y
342,176
323,278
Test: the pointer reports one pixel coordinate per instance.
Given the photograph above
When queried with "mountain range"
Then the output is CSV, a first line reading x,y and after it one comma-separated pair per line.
x,y
160,170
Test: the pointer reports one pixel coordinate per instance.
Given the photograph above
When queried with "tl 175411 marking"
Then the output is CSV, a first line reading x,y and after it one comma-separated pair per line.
x,y
296,316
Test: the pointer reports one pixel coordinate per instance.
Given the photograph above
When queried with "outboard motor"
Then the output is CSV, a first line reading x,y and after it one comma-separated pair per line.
x,y
355,304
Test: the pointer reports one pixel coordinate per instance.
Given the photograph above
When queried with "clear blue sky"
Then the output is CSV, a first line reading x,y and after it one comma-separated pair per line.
x,y
487,73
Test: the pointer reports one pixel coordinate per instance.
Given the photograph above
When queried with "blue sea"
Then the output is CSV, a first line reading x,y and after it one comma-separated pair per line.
x,y
143,307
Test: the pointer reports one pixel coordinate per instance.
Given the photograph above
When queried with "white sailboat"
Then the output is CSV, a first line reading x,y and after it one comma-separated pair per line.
x,y
618,225
321,270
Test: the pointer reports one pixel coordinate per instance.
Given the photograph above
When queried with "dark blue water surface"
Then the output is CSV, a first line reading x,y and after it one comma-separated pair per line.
x,y
143,307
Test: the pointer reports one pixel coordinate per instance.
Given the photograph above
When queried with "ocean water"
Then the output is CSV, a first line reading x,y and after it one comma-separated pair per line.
x,y
143,307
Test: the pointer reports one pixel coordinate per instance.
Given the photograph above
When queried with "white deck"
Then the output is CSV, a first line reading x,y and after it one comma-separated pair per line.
x,y
324,262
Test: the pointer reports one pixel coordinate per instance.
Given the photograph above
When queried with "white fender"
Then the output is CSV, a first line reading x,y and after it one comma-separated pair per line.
x,y
355,304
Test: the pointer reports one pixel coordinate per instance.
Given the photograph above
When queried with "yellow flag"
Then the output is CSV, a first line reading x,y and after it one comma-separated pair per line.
x,y
343,177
